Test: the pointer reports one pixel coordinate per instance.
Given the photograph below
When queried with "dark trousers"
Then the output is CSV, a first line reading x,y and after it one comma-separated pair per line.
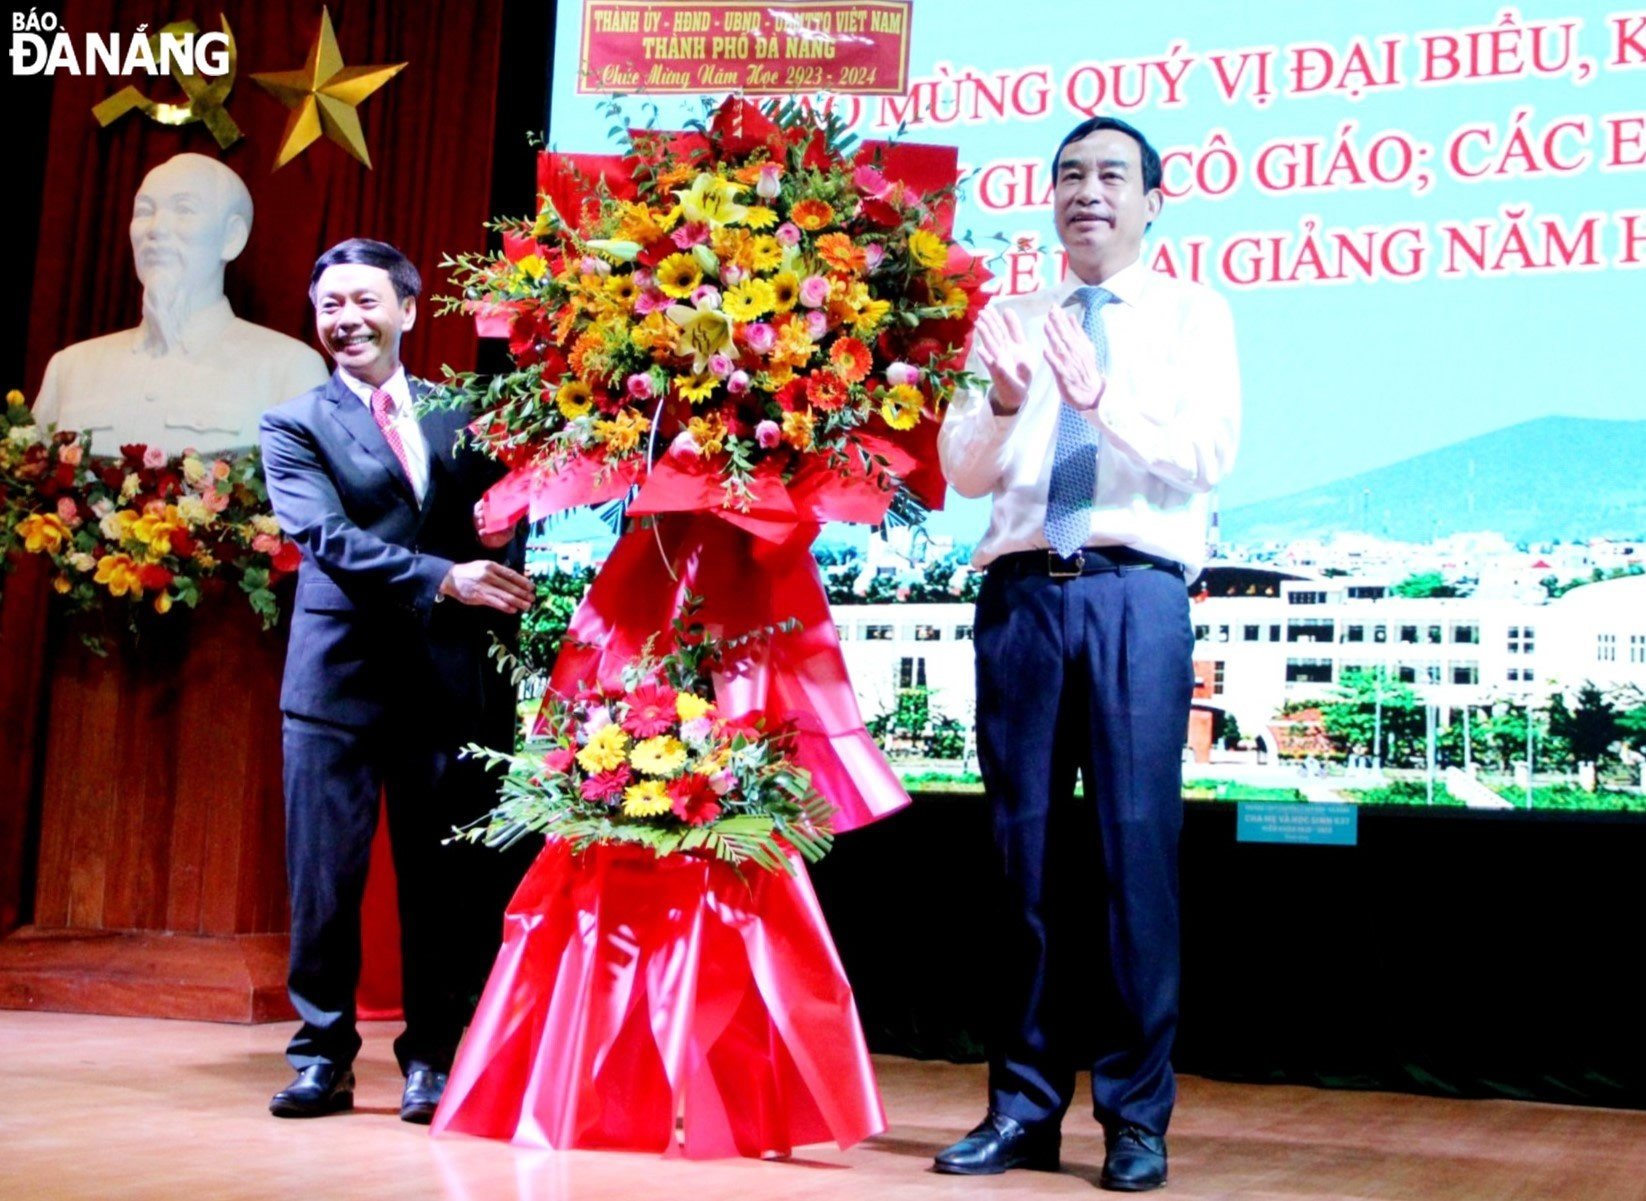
x,y
451,897
1091,674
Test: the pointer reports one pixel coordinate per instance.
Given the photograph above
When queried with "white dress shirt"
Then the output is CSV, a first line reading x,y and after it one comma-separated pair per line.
x,y
1169,418
404,420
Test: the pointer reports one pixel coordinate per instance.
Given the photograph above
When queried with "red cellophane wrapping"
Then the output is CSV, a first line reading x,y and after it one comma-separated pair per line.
x,y
633,990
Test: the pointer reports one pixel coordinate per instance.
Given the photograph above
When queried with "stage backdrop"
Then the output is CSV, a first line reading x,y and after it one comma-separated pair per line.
x,y
1430,221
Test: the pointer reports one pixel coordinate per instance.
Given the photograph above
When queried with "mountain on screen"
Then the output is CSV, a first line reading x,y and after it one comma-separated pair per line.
x,y
1566,478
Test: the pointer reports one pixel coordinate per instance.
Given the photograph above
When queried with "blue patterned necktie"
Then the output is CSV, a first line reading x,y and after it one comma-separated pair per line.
x,y
1074,461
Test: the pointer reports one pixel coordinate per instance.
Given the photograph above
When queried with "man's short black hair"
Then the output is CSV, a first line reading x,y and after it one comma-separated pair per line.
x,y
1150,156
402,274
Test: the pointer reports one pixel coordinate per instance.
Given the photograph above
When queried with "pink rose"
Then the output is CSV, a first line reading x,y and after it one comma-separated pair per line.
x,y
873,255
640,386
593,266
719,366
706,296
733,274
215,501
871,182
68,512
265,544
814,290
788,234
598,719
698,729
738,383
723,781
902,373
684,446
766,187
817,324
768,434
153,456
70,453
760,336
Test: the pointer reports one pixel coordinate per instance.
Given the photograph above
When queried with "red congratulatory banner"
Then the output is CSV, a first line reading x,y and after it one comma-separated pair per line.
x,y
746,45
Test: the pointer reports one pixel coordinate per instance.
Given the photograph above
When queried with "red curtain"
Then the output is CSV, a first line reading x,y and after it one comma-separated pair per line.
x,y
430,135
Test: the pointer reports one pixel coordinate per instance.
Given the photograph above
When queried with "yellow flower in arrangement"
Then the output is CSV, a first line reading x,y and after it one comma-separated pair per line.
x,y
654,330
797,429
710,435
955,302
61,584
732,246
157,529
621,289
15,399
689,706
204,559
649,798
265,523
607,749
900,406
812,215
927,249
574,399
794,346
870,314
698,388
637,223
678,274
711,200
785,291
704,333
531,267
119,574
194,512
751,299
760,217
43,532
765,252
660,756
623,433
83,562
194,472
162,603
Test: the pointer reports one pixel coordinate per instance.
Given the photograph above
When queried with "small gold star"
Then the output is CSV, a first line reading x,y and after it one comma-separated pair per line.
x,y
323,96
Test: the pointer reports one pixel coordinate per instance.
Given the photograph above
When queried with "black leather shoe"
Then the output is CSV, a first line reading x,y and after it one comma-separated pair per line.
x,y
999,1144
424,1088
1134,1160
319,1089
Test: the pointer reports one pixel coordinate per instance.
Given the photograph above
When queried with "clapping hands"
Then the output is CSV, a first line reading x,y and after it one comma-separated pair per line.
x,y
1005,352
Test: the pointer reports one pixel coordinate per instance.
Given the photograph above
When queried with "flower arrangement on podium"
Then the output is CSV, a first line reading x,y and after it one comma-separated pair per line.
x,y
138,533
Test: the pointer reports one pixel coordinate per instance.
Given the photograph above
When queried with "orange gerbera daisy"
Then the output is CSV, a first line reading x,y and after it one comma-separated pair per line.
x,y
851,359
841,253
826,390
812,214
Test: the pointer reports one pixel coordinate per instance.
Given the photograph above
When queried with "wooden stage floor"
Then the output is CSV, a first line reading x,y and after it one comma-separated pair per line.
x,y
95,1107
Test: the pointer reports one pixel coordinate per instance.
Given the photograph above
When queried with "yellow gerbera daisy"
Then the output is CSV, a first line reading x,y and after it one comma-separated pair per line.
x,y
927,249
900,406
660,756
765,252
869,316
785,291
759,217
646,799
621,289
606,750
697,388
574,399
749,300
678,274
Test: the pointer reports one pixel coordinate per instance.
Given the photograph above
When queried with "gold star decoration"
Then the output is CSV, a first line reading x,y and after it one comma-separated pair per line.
x,y
323,95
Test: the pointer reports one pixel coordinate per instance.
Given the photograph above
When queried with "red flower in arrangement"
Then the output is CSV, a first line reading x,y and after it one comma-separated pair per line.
x,y
287,559
560,759
607,786
825,390
695,801
747,727
791,397
153,577
651,710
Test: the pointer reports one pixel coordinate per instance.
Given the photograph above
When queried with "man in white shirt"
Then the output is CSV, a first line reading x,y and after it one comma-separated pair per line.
x,y
1113,410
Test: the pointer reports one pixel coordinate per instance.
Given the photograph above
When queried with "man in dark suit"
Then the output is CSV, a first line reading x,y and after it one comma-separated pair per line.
x,y
386,678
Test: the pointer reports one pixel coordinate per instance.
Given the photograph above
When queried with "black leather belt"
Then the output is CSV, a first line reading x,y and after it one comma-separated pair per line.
x,y
1090,561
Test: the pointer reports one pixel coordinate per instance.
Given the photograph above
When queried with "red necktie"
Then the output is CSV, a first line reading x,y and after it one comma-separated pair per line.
x,y
382,408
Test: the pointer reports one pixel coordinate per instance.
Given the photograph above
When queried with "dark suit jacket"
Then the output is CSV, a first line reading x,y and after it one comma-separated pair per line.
x,y
367,635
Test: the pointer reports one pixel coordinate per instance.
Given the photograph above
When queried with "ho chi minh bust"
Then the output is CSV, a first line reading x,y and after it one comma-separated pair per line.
x,y
191,374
